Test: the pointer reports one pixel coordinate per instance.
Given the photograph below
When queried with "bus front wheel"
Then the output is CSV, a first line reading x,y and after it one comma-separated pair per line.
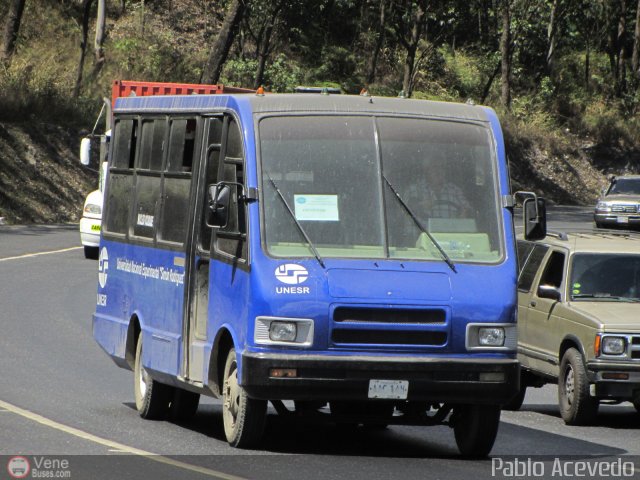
x,y
152,398
475,428
243,417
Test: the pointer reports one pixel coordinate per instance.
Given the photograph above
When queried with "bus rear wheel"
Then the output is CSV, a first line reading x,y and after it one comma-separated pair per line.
x,y
244,417
475,428
152,398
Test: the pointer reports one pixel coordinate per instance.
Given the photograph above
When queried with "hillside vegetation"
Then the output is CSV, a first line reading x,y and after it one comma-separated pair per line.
x,y
562,75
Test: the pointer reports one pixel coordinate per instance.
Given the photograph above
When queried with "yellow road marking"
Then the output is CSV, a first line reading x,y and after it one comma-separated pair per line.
x,y
115,446
37,254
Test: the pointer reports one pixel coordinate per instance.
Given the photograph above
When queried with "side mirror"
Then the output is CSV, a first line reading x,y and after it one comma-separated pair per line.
x,y
85,151
547,291
534,212
219,198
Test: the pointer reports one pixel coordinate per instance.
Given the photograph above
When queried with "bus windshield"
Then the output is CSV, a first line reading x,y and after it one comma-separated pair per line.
x,y
343,181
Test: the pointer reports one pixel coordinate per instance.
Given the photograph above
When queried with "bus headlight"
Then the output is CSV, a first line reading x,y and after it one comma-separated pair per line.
x,y
491,336
283,331
293,332
614,345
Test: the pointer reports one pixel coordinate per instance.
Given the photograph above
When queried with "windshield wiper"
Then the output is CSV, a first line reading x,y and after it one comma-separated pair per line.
x,y
421,226
293,215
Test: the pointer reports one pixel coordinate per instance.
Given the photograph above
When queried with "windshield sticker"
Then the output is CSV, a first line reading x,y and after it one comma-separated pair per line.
x,y
317,208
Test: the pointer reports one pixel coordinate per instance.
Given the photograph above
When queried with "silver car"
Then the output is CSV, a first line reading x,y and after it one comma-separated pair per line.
x,y
619,205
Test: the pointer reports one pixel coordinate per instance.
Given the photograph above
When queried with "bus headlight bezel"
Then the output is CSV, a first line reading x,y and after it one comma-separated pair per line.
x,y
291,332
501,337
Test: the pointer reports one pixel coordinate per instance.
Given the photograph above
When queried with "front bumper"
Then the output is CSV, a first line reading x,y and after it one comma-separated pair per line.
x,y
90,231
619,389
437,380
616,219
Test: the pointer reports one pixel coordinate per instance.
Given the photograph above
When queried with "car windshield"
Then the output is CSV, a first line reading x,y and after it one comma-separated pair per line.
x,y
625,186
605,277
335,179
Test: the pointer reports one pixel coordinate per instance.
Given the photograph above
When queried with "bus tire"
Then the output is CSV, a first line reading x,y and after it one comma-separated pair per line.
x,y
152,397
184,405
475,428
577,407
243,417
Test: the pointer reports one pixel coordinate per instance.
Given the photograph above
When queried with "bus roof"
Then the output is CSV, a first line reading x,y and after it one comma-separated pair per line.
x,y
300,103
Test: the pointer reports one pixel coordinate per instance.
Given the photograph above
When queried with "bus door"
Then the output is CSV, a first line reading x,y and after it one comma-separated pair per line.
x,y
222,141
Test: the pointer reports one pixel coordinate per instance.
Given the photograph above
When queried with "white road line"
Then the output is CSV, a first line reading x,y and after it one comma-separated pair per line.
x,y
37,254
115,446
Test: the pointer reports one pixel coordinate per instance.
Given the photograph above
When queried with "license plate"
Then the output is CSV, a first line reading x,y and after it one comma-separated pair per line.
x,y
95,228
395,389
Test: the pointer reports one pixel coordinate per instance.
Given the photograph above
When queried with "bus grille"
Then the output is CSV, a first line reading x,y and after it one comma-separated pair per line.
x,y
388,337
394,316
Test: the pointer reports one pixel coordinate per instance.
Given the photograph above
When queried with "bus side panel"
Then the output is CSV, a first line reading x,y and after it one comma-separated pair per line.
x,y
148,284
230,304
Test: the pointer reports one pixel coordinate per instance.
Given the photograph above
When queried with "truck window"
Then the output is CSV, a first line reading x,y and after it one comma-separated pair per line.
x,y
528,272
554,270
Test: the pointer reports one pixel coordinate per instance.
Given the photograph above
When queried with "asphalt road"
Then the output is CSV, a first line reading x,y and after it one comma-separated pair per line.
x,y
63,400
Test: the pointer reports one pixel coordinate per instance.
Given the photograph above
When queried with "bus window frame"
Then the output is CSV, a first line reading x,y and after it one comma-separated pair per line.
x,y
129,236
216,253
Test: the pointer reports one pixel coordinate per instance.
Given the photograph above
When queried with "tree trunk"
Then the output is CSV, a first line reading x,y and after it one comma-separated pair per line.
x,y
419,23
635,59
86,11
11,30
373,63
505,50
552,36
99,39
222,44
264,47
622,32
587,73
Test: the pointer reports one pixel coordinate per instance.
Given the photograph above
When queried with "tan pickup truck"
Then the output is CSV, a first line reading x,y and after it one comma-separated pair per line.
x,y
579,320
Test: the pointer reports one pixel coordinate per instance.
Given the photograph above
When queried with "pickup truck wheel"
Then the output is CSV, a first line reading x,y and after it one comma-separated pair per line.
x,y
475,428
243,417
516,402
577,407
152,398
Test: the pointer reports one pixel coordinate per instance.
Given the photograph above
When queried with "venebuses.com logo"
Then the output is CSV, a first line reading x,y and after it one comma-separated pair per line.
x,y
38,467
18,467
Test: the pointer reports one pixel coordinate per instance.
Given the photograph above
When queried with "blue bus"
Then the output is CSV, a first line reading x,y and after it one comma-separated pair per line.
x,y
342,257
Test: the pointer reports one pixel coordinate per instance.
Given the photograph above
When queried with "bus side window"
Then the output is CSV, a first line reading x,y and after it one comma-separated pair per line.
x,y
177,181
124,148
232,238
152,144
212,161
181,145
120,190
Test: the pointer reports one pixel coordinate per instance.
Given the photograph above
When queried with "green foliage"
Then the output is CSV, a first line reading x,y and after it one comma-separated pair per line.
x,y
30,94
